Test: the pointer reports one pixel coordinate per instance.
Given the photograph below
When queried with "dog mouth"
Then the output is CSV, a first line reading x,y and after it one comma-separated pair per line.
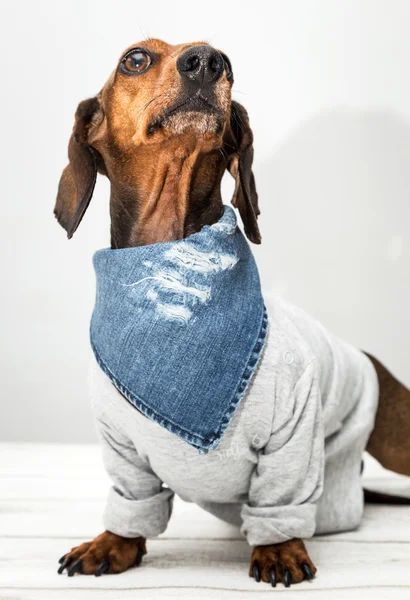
x,y
193,112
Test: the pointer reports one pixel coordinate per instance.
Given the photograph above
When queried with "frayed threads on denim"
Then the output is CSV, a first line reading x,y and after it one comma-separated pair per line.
x,y
179,328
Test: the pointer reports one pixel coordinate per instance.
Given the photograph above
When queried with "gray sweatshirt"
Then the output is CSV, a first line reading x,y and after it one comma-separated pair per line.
x,y
287,466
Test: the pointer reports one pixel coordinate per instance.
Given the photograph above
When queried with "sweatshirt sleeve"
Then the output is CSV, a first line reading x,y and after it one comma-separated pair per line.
x,y
138,504
288,478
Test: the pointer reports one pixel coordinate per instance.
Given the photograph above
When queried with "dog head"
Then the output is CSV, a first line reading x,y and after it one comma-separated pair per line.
x,y
162,103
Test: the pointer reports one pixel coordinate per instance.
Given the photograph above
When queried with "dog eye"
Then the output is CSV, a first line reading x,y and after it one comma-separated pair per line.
x,y
136,61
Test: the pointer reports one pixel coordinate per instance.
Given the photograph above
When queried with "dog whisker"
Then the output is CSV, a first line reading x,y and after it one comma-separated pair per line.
x,y
148,103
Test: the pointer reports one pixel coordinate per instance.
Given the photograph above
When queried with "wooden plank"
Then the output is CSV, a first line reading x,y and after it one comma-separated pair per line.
x,y
33,460
58,488
207,565
390,592
83,518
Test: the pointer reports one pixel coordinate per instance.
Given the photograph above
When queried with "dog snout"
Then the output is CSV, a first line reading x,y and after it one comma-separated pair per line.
x,y
201,64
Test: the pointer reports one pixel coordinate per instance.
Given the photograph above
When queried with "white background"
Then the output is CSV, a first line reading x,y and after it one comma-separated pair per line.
x,y
327,87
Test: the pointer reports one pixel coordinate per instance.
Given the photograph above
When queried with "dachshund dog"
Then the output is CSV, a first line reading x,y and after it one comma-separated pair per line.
x,y
163,130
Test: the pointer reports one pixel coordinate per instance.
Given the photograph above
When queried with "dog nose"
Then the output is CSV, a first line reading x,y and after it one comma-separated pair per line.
x,y
202,64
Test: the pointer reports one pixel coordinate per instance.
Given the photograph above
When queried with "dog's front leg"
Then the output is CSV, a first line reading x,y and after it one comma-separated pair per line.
x,y
287,562
138,504
285,486
107,553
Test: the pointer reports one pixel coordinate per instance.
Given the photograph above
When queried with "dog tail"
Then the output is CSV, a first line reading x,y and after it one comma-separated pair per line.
x,y
371,497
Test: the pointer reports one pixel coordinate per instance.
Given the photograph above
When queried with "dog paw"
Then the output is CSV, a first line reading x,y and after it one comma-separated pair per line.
x,y
107,553
287,562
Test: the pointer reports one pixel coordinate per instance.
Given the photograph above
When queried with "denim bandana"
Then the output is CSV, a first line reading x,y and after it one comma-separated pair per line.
x,y
179,328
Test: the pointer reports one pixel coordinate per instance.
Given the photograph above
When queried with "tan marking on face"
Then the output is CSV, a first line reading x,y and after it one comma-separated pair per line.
x,y
132,102
156,173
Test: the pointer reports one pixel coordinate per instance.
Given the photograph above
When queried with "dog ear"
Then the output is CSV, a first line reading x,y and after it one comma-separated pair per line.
x,y
78,179
240,153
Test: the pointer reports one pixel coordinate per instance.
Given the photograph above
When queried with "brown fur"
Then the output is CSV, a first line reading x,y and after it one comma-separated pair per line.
x,y
165,185
273,561
116,552
389,441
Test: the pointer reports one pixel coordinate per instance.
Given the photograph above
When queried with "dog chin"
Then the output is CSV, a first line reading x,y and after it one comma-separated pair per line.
x,y
192,121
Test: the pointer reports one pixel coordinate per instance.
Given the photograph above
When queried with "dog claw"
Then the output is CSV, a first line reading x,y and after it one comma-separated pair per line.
x,y
307,571
272,577
256,573
75,568
64,564
103,568
287,579
62,559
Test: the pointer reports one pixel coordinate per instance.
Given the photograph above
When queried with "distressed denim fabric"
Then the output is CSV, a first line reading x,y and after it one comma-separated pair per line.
x,y
179,327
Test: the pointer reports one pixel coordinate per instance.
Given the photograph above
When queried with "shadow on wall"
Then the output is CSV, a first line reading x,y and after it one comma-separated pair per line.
x,y
335,202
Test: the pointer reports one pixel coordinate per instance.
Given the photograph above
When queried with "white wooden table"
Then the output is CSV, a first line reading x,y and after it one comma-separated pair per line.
x,y
52,498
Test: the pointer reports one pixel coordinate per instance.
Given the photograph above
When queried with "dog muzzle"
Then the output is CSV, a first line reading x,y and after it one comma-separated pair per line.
x,y
179,328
